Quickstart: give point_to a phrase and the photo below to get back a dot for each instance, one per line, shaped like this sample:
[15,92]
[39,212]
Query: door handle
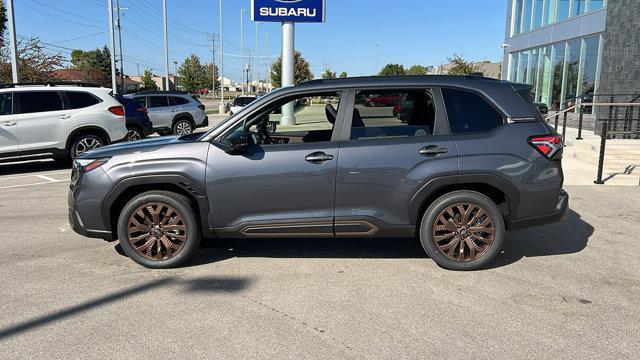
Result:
[432,150]
[9,123]
[318,157]
[64,116]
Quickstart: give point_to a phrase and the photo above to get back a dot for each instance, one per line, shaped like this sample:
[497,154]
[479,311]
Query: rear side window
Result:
[6,103]
[39,101]
[179,101]
[79,99]
[158,101]
[469,112]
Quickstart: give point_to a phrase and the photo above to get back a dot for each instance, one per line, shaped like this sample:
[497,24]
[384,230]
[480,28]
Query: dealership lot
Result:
[566,288]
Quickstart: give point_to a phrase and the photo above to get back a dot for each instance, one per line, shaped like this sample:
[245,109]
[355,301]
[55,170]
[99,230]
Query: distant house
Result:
[75,75]
[488,69]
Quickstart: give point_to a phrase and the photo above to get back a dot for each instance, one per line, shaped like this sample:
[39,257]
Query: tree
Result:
[460,66]
[95,64]
[193,74]
[147,81]
[34,64]
[302,71]
[343,75]
[418,70]
[328,74]
[392,69]
[211,86]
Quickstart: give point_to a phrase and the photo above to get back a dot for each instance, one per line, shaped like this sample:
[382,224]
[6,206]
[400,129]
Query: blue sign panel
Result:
[288,10]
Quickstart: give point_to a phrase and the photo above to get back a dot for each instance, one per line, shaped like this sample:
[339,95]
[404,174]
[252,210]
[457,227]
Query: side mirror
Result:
[271,126]
[239,141]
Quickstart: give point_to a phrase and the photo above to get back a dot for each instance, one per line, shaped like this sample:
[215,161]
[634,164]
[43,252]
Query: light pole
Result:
[221,107]
[257,59]
[288,69]
[175,75]
[242,11]
[112,48]
[12,42]
[166,43]
[267,65]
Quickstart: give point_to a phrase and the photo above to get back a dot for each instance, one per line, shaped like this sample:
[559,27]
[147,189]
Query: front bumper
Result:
[557,215]
[84,199]
[76,225]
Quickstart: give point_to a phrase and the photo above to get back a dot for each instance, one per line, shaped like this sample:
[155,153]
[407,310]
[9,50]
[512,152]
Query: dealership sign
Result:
[288,10]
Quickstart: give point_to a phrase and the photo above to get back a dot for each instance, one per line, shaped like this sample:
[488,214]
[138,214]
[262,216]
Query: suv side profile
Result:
[177,113]
[59,120]
[468,159]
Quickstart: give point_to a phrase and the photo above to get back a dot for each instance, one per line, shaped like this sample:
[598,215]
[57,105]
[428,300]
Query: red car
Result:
[201,92]
[382,100]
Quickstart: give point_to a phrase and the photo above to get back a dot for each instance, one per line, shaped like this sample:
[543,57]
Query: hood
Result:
[144,145]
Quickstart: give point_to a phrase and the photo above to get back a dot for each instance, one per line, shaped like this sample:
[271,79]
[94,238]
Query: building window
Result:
[544,81]
[513,66]
[558,65]
[517,17]
[523,62]
[526,15]
[589,65]
[537,13]
[573,70]
[563,10]
[595,5]
[578,7]
[532,77]
[550,11]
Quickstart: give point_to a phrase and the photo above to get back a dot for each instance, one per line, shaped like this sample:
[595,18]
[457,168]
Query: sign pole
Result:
[112,48]
[221,106]
[288,68]
[166,44]
[13,42]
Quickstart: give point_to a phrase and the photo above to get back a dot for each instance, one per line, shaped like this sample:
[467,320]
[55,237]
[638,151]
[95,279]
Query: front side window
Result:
[158,101]
[469,112]
[80,99]
[6,103]
[39,101]
[392,113]
[313,119]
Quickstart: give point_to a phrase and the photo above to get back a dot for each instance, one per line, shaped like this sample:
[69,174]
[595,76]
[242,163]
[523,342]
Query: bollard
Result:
[564,126]
[557,118]
[580,123]
[603,140]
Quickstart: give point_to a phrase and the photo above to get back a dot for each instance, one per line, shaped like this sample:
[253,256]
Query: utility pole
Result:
[242,11]
[267,66]
[12,42]
[112,43]
[212,38]
[166,44]
[257,60]
[120,45]
[138,66]
[288,68]
[221,107]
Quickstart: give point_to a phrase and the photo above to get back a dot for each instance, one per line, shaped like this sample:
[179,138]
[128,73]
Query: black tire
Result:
[82,143]
[134,133]
[182,127]
[451,260]
[182,206]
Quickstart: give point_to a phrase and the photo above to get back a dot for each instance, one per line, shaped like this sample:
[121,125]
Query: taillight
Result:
[117,110]
[201,107]
[547,145]
[142,110]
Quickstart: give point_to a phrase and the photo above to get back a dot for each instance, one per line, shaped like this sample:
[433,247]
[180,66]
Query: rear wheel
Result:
[158,229]
[84,143]
[134,134]
[462,230]
[182,127]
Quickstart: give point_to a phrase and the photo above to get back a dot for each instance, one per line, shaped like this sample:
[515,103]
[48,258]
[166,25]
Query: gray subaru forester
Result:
[453,161]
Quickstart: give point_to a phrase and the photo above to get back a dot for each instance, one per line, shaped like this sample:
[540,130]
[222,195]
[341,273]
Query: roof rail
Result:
[50,83]
[149,92]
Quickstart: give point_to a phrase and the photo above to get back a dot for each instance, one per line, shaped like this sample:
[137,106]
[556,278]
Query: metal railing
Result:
[613,126]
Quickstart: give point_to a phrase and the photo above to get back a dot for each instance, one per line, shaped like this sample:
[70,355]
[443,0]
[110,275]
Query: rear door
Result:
[386,157]
[160,111]
[43,122]
[8,126]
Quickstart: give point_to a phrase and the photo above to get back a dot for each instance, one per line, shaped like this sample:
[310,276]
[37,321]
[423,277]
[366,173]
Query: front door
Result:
[43,123]
[390,152]
[284,183]
[161,111]
[8,126]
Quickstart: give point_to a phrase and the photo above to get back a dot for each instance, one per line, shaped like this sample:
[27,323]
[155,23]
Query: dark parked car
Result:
[138,124]
[472,159]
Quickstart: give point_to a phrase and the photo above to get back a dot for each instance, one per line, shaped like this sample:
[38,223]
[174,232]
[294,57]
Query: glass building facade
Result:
[543,49]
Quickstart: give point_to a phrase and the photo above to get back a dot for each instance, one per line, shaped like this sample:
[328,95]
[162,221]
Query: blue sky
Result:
[409,32]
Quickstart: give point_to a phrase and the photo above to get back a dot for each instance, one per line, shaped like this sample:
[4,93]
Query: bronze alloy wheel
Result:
[463,232]
[157,231]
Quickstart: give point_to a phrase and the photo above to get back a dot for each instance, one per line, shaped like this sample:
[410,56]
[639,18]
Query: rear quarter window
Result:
[80,99]
[469,112]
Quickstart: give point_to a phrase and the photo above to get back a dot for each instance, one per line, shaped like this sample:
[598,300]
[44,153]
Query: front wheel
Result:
[462,230]
[158,229]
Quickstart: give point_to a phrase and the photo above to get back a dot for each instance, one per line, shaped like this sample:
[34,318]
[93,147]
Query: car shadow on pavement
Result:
[568,236]
[32,166]
[197,285]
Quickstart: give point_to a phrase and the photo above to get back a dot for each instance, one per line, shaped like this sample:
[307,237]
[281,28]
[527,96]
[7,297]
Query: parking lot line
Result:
[52,181]
[29,175]
[44,177]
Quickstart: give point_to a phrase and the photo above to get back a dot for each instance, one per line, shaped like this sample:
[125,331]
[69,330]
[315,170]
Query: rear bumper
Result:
[205,123]
[557,215]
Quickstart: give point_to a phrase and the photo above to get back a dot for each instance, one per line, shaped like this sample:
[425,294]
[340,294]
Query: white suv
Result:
[57,120]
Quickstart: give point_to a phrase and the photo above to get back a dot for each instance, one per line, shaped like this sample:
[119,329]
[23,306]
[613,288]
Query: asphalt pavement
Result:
[565,290]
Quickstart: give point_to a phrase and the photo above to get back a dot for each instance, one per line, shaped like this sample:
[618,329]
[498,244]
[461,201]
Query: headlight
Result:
[86,165]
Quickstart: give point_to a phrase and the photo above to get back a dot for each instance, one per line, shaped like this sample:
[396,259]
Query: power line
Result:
[79,38]
[60,18]
[68,12]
